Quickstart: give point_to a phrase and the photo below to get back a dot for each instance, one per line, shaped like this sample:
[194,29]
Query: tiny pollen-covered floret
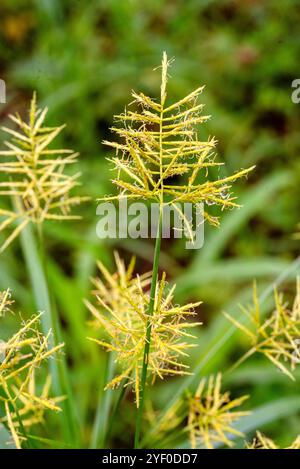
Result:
[33,175]
[157,141]
[262,442]
[121,312]
[277,336]
[211,414]
[20,357]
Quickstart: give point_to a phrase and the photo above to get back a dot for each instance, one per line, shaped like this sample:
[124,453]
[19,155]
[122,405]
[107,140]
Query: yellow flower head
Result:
[122,313]
[262,442]
[20,357]
[278,336]
[211,415]
[34,175]
[159,141]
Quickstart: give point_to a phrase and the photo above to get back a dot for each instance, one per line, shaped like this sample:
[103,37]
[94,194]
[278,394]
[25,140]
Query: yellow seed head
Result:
[20,357]
[121,312]
[211,414]
[157,142]
[33,175]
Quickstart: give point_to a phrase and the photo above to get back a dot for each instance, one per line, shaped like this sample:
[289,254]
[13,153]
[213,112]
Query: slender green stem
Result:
[104,405]
[36,267]
[148,332]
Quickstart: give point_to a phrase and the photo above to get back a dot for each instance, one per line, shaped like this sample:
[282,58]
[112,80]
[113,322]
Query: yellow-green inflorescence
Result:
[21,356]
[277,335]
[260,441]
[33,175]
[211,414]
[120,311]
[157,141]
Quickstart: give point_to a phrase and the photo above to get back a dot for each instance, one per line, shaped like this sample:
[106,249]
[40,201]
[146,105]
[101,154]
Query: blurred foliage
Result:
[83,58]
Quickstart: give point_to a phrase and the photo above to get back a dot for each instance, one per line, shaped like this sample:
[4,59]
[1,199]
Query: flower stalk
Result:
[148,336]
[157,143]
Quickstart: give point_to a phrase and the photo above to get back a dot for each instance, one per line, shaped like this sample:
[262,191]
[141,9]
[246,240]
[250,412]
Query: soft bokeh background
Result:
[83,58]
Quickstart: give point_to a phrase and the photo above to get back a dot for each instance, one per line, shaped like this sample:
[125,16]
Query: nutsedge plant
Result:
[156,142]
[136,319]
[160,141]
[35,186]
[21,356]
[122,312]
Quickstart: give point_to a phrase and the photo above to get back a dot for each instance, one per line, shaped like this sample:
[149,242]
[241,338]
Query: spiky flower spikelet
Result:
[211,414]
[121,313]
[158,142]
[34,175]
[20,357]
[277,336]
[262,442]
[111,287]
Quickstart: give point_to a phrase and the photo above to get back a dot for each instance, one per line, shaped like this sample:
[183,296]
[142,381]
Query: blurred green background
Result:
[83,59]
